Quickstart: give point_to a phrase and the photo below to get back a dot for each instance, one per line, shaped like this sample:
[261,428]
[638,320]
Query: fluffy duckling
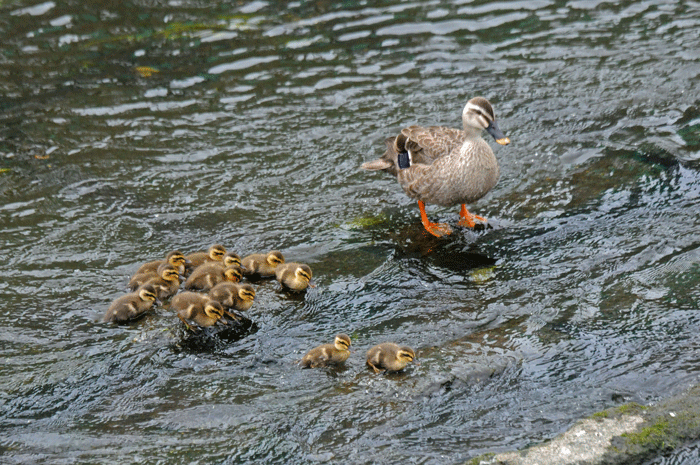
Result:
[231,258]
[233,295]
[175,258]
[204,316]
[295,276]
[163,271]
[167,283]
[328,354]
[206,276]
[132,306]
[389,357]
[263,265]
[214,254]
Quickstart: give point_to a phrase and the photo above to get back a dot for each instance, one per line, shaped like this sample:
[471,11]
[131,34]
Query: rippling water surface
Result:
[130,129]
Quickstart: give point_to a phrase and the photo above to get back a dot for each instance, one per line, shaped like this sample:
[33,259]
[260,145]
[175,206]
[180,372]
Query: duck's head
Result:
[215,311]
[405,354]
[303,273]
[216,252]
[233,273]
[148,293]
[478,114]
[246,293]
[176,259]
[232,258]
[274,258]
[169,273]
[342,342]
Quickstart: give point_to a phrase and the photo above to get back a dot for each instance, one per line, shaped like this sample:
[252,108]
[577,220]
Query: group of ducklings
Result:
[212,283]
[213,288]
[385,357]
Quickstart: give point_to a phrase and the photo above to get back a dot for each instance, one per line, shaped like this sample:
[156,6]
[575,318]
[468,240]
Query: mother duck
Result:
[445,166]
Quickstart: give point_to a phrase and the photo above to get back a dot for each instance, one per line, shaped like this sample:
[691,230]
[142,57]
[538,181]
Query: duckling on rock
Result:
[168,283]
[389,357]
[445,166]
[163,271]
[175,258]
[328,354]
[215,254]
[132,306]
[295,276]
[233,295]
[262,265]
[206,276]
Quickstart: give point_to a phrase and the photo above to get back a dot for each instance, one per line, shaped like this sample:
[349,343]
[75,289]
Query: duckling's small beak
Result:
[497,134]
[158,302]
[187,261]
[312,284]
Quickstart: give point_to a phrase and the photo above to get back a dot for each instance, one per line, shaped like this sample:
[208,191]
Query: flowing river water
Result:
[129,129]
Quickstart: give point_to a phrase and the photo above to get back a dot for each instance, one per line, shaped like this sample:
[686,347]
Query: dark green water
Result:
[132,128]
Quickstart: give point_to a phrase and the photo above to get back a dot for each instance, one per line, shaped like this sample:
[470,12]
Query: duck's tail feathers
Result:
[386,161]
[379,164]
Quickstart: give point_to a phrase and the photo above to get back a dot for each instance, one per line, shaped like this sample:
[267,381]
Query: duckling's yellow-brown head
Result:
[214,310]
[303,272]
[232,258]
[168,272]
[233,273]
[274,258]
[342,342]
[246,293]
[147,293]
[176,258]
[217,252]
[405,354]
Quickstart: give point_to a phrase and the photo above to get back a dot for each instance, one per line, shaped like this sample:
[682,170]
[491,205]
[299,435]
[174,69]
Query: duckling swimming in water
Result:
[132,306]
[203,315]
[328,354]
[175,258]
[163,271]
[233,295]
[389,357]
[206,276]
[215,254]
[262,265]
[295,276]
[167,283]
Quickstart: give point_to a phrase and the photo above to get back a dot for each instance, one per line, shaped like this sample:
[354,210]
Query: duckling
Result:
[204,316]
[389,357]
[231,258]
[175,258]
[163,272]
[206,276]
[445,166]
[262,264]
[168,283]
[328,354]
[132,306]
[233,295]
[295,276]
[214,254]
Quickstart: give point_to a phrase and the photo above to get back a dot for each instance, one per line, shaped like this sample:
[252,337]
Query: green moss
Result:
[481,275]
[690,134]
[367,221]
[656,435]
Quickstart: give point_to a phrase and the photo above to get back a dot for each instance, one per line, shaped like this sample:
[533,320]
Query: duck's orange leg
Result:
[436,229]
[467,219]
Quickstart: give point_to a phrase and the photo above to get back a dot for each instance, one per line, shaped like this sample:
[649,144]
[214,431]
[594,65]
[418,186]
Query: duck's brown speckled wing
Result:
[428,144]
